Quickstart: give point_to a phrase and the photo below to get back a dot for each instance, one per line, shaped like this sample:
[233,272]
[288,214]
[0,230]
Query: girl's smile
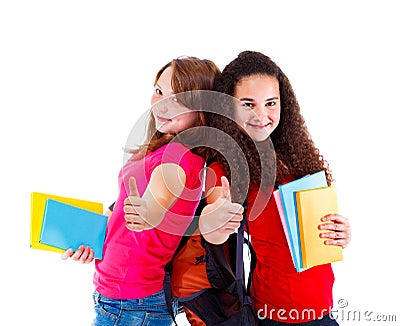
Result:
[259,112]
[170,115]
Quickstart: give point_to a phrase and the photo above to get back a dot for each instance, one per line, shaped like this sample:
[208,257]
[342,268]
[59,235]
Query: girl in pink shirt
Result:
[159,189]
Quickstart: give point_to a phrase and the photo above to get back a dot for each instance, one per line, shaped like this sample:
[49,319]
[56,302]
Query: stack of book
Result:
[301,205]
[59,223]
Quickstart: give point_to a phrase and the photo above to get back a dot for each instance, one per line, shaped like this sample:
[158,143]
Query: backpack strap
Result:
[239,257]
[168,295]
[168,268]
[253,259]
[242,289]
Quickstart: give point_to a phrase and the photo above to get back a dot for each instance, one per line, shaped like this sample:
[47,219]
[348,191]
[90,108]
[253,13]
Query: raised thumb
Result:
[133,190]
[226,189]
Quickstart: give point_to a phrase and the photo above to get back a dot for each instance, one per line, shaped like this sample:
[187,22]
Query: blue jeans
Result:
[151,310]
[325,321]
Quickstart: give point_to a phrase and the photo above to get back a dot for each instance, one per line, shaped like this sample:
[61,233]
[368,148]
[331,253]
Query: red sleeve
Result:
[213,175]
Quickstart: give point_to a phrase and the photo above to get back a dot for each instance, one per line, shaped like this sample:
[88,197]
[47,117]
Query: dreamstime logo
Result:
[341,314]
[292,314]
[344,312]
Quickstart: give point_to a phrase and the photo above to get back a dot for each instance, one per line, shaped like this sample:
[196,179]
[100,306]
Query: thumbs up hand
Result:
[222,217]
[135,209]
[226,188]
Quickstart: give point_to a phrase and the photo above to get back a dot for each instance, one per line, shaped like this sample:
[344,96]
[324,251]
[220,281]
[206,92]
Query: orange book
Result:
[312,205]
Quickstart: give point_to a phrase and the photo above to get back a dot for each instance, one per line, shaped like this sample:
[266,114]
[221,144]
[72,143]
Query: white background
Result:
[75,76]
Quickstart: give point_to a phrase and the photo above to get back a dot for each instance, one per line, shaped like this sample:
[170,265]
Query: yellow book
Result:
[312,205]
[38,203]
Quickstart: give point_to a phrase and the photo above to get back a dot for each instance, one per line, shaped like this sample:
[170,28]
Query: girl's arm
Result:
[166,184]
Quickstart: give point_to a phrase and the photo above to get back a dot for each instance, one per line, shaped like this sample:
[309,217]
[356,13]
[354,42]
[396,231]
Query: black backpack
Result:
[227,302]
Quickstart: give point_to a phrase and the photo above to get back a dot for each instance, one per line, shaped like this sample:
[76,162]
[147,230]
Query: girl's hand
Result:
[222,217]
[338,230]
[84,255]
[135,209]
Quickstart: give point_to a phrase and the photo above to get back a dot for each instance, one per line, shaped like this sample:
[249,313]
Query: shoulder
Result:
[176,153]
[173,149]
[217,168]
[214,173]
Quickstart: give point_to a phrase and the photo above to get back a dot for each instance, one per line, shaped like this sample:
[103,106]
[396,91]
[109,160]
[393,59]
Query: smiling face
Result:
[170,116]
[260,107]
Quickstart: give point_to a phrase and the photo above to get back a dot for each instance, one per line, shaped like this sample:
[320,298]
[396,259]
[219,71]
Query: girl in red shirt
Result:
[269,110]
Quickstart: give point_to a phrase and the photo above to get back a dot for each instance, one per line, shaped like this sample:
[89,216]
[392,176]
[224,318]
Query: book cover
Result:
[288,196]
[312,205]
[66,226]
[278,202]
[38,203]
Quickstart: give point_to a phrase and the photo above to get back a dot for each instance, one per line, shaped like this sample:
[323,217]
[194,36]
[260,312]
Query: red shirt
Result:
[279,292]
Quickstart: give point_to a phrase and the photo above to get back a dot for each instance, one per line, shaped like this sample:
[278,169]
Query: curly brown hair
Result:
[296,154]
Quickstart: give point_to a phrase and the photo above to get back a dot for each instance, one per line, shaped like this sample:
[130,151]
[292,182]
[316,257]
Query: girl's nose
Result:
[163,107]
[160,106]
[261,113]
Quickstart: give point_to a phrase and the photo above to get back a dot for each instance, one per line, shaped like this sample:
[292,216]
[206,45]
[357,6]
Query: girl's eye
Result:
[158,91]
[247,105]
[271,105]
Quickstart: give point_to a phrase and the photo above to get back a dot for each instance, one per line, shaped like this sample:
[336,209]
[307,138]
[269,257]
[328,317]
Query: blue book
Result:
[288,196]
[65,226]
